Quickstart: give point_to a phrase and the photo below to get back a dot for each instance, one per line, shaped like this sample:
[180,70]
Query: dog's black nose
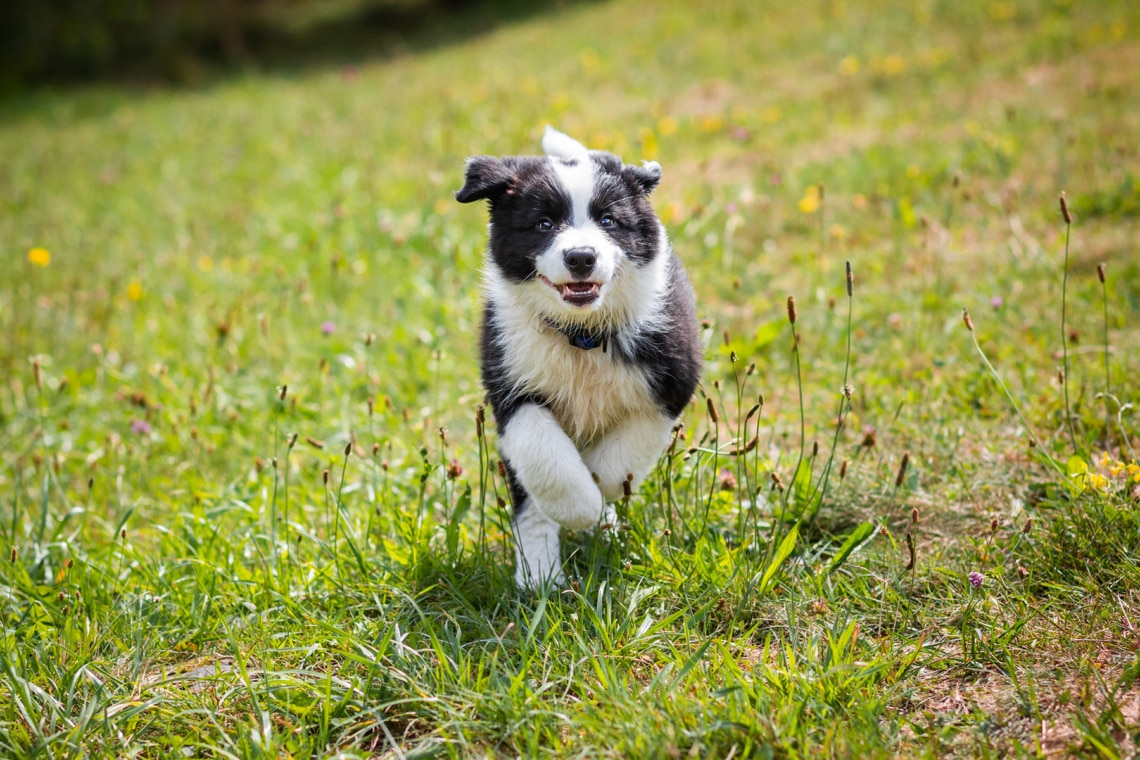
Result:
[580,261]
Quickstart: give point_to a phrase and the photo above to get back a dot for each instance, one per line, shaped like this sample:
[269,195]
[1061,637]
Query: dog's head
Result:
[573,227]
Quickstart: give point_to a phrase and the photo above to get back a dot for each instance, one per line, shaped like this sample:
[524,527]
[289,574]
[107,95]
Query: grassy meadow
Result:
[248,507]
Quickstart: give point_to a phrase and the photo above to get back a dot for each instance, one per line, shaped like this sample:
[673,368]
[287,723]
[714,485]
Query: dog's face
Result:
[570,229]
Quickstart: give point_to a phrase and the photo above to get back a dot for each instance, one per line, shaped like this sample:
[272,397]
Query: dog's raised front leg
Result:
[632,447]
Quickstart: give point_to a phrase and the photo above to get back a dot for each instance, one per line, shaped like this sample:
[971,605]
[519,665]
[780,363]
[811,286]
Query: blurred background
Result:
[182,41]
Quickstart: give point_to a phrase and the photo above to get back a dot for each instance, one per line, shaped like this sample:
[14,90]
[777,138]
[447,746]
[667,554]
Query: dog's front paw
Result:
[608,524]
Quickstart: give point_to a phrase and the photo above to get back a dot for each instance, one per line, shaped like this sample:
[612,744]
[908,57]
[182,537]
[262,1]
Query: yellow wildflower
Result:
[648,144]
[809,204]
[849,66]
[1003,11]
[710,123]
[39,256]
[135,291]
[893,64]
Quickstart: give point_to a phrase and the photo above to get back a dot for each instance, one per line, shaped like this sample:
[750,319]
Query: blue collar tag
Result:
[583,339]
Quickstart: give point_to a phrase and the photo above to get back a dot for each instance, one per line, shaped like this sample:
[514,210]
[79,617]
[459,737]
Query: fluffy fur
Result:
[590,349]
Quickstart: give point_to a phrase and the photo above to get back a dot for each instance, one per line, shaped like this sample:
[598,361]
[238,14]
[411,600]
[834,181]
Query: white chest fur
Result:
[589,391]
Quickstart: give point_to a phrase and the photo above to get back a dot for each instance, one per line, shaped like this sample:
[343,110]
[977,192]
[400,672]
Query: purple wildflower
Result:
[140,427]
[976,579]
[328,328]
[996,302]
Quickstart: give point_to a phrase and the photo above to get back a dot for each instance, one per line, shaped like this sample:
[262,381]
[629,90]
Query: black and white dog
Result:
[590,348]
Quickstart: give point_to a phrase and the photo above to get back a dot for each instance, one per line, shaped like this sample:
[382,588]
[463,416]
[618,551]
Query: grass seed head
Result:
[1100,275]
[283,393]
[713,415]
[902,469]
[1028,526]
[347,448]
[792,309]
[843,470]
[966,319]
[325,477]
[1068,217]
[850,281]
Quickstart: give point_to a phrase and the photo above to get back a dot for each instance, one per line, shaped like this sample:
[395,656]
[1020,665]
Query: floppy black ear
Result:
[647,176]
[487,177]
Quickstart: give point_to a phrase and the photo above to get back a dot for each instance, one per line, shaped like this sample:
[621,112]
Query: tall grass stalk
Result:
[714,481]
[792,315]
[1101,275]
[844,397]
[276,477]
[1064,332]
[1009,397]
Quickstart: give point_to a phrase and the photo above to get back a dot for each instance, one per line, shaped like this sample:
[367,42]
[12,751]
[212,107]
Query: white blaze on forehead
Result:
[576,176]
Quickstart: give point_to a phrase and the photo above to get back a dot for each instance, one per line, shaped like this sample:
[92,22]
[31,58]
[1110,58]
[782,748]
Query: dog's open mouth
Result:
[576,293]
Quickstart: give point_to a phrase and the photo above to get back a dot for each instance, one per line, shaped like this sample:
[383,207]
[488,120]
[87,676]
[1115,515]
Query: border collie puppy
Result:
[590,348]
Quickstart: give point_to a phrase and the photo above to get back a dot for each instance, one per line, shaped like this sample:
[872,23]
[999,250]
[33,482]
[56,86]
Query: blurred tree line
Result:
[69,40]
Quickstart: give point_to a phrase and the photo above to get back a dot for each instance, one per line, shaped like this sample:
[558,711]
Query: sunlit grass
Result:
[248,506]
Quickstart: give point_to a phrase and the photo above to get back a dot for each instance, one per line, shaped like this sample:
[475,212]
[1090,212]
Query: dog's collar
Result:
[583,337]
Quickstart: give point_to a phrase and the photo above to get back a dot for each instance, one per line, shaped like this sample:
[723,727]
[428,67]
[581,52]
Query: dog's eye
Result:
[607,221]
[544,225]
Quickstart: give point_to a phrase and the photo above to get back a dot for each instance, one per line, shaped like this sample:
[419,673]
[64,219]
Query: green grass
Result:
[179,579]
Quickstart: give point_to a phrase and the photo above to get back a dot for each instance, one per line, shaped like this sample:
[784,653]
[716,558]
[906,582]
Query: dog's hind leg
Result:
[538,560]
